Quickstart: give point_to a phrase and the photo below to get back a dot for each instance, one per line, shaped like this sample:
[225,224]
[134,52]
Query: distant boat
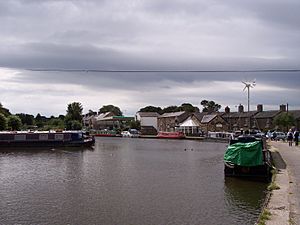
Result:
[46,139]
[106,133]
[247,157]
[171,135]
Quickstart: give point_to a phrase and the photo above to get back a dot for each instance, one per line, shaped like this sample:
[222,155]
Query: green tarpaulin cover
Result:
[245,154]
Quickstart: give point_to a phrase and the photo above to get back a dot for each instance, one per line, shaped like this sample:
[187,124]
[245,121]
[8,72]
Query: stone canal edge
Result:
[282,203]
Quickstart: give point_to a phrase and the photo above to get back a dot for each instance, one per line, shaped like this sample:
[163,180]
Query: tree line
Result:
[208,106]
[72,120]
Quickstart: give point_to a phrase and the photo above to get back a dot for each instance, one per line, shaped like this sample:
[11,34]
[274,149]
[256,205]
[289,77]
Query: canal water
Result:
[125,182]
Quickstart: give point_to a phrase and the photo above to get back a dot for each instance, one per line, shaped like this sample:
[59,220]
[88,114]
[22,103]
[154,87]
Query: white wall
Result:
[149,121]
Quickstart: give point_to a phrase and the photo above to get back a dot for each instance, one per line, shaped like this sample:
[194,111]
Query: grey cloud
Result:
[140,80]
[132,37]
[277,13]
[176,7]
[141,89]
[154,35]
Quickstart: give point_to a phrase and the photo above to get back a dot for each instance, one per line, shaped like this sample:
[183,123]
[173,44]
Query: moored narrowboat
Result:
[248,157]
[171,135]
[46,139]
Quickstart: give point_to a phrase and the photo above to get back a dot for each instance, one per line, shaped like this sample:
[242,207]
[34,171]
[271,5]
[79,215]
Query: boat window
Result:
[20,137]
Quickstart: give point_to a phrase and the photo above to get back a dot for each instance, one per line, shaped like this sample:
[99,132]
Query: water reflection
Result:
[125,181]
[244,197]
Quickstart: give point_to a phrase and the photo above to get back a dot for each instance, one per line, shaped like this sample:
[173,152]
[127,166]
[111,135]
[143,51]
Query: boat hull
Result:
[25,144]
[45,139]
[170,135]
[249,170]
[262,173]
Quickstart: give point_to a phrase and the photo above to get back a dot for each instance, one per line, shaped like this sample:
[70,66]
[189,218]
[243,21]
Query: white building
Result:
[148,121]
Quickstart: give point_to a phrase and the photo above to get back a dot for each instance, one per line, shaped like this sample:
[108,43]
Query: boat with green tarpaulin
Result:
[248,157]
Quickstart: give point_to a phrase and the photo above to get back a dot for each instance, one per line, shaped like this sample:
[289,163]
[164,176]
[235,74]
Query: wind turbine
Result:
[249,85]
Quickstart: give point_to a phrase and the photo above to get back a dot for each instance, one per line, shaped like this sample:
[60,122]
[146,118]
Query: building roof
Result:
[199,115]
[88,117]
[239,114]
[295,113]
[173,114]
[273,113]
[116,118]
[148,114]
[267,114]
[102,116]
[189,122]
[208,118]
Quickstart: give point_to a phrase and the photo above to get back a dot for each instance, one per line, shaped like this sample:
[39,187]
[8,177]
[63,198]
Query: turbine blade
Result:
[244,88]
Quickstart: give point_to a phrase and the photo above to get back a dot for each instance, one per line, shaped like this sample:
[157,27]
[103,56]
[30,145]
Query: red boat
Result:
[171,135]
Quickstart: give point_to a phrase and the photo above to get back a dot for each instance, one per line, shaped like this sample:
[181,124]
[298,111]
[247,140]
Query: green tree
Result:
[74,116]
[4,111]
[187,107]
[135,124]
[111,108]
[170,109]
[210,106]
[55,123]
[284,121]
[14,122]
[74,111]
[40,121]
[26,118]
[73,125]
[3,122]
[151,109]
[91,113]
[61,117]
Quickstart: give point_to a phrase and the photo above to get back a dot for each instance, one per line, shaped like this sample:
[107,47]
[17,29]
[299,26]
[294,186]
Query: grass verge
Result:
[273,186]
[266,215]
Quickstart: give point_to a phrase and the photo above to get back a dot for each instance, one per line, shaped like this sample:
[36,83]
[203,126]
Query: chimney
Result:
[227,109]
[241,108]
[282,108]
[259,108]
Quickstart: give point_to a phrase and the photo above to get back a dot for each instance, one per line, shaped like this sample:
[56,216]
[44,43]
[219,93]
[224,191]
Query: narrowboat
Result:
[46,139]
[248,157]
[171,135]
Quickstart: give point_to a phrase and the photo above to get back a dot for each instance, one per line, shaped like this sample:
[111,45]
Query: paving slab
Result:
[284,203]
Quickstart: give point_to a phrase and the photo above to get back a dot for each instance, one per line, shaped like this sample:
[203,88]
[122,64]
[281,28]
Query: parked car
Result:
[257,133]
[132,133]
[277,135]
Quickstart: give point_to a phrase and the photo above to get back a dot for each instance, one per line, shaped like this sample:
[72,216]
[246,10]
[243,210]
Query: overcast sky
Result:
[147,35]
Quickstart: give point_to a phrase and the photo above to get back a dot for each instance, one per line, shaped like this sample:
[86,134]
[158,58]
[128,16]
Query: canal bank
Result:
[284,203]
[196,138]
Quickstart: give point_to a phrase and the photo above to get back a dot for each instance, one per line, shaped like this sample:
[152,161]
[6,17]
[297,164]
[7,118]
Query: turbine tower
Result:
[249,85]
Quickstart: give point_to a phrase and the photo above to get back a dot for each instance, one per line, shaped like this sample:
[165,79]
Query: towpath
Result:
[285,202]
